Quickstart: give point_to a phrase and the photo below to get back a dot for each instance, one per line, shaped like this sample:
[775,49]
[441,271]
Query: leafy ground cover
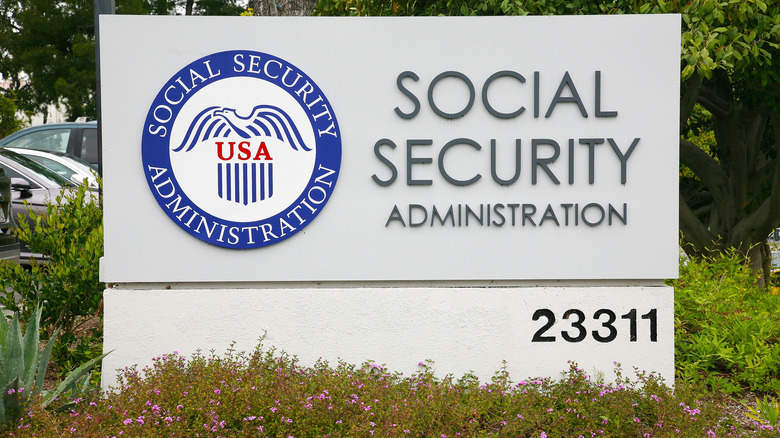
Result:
[727,330]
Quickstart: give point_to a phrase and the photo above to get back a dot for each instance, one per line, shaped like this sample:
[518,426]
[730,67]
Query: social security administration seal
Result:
[241,149]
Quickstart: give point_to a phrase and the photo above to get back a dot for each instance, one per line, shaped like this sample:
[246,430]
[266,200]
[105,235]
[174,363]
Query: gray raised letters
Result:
[454,74]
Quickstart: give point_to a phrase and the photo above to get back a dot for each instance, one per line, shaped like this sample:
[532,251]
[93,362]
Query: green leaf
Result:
[3,417]
[687,71]
[4,326]
[72,379]
[44,362]
[13,403]
[13,357]
[30,345]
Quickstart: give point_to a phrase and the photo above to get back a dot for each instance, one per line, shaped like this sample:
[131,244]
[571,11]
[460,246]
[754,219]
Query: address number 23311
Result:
[603,325]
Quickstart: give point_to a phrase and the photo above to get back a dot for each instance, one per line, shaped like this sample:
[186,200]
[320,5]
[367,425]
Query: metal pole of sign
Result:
[101,7]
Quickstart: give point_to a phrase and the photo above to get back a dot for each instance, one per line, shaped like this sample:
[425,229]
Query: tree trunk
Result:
[761,261]
[289,8]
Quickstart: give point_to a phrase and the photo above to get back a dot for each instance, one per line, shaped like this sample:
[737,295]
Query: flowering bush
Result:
[268,394]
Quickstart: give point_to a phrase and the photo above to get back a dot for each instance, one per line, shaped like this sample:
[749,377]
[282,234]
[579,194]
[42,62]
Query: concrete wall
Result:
[461,329]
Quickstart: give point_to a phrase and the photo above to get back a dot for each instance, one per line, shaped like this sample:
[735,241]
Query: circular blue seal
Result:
[241,149]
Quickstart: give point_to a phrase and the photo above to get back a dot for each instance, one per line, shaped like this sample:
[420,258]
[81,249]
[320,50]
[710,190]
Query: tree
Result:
[732,200]
[180,7]
[48,47]
[290,8]
[730,95]
[10,121]
[215,7]
[47,51]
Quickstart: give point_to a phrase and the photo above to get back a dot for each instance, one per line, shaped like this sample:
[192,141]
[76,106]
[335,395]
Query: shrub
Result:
[727,330]
[10,121]
[70,233]
[265,394]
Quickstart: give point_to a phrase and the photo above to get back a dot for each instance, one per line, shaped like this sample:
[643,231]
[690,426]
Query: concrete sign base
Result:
[461,329]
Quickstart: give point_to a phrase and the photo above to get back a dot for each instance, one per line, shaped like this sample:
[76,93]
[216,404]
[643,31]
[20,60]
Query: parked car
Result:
[33,183]
[78,139]
[9,243]
[70,167]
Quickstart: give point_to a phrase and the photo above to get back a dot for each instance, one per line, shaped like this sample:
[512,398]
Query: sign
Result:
[390,188]
[423,149]
[241,149]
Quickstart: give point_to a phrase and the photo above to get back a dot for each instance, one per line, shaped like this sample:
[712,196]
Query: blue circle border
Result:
[155,151]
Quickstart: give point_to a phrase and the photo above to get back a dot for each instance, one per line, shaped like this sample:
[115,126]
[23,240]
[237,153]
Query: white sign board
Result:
[342,149]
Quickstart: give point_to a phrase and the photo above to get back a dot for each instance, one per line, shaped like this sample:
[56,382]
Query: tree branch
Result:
[694,231]
[704,166]
[715,103]
[773,212]
[765,218]
[774,117]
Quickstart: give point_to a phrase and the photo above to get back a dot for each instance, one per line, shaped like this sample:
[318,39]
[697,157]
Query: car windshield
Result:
[61,169]
[43,139]
[53,177]
[78,163]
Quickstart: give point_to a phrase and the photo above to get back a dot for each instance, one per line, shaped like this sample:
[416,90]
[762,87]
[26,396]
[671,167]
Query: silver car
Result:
[33,186]
[70,167]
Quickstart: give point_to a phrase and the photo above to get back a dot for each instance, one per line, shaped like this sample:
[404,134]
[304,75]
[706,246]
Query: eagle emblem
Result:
[240,178]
